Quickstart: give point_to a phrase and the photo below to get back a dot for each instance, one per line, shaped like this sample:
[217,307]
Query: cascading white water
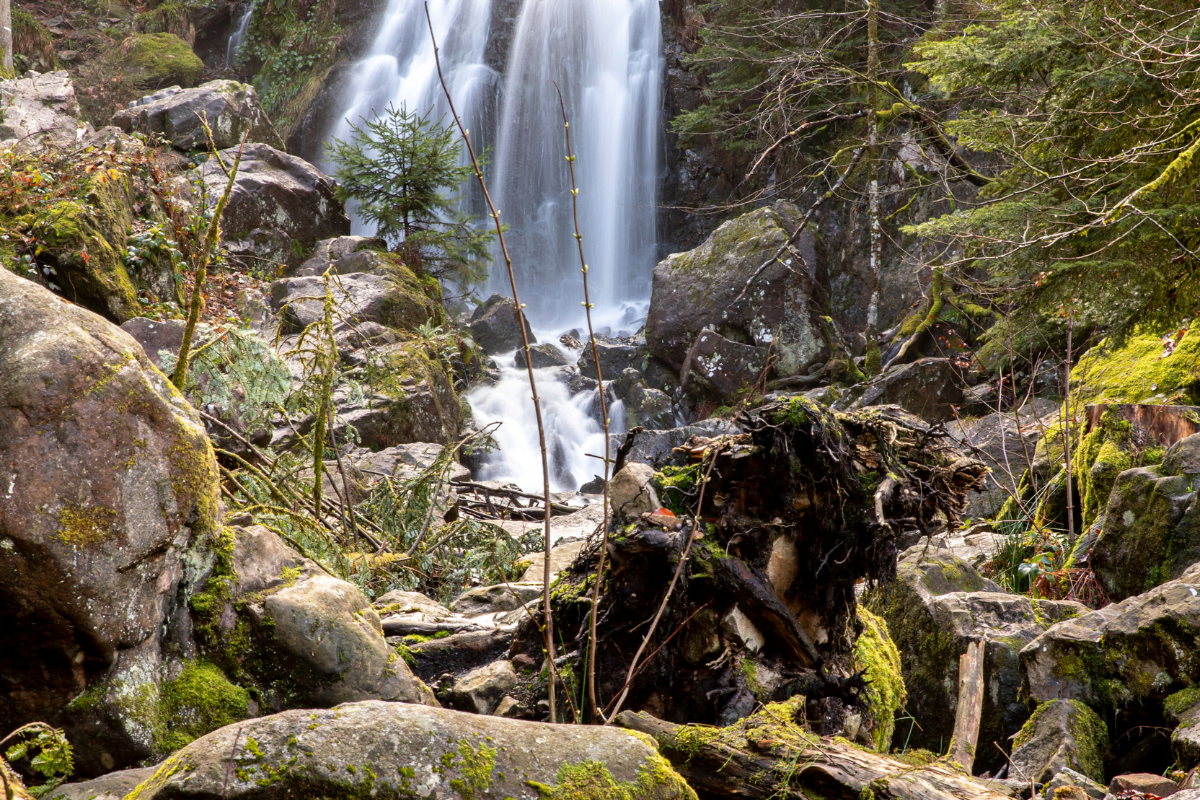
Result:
[606,57]
[240,25]
[574,438]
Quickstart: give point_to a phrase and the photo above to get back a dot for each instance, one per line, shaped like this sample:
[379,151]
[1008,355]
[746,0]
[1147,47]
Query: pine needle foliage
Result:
[403,170]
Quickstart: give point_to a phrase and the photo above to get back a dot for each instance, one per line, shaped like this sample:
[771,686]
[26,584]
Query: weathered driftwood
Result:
[770,755]
[403,626]
[970,706]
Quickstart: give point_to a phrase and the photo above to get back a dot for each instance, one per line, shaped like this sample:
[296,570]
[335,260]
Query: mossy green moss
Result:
[200,700]
[85,526]
[1087,730]
[591,780]
[1181,702]
[876,653]
[156,60]
[475,770]
[32,42]
[1140,371]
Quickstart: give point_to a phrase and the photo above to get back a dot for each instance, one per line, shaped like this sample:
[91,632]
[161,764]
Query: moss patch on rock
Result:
[1140,371]
[200,700]
[876,653]
[157,60]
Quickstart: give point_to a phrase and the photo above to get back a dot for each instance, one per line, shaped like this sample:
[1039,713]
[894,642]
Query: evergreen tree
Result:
[404,171]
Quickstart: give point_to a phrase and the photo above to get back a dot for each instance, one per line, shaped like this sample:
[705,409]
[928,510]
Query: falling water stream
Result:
[606,58]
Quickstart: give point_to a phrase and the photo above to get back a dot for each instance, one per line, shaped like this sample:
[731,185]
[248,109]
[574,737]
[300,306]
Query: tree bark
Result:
[6,37]
[773,758]
[970,706]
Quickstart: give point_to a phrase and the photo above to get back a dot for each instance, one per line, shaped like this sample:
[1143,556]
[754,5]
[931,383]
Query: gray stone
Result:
[398,601]
[400,750]
[655,446]
[1061,734]
[631,494]
[928,387]
[1183,710]
[232,110]
[1069,777]
[1078,659]
[156,336]
[1144,782]
[480,689]
[707,288]
[561,557]
[495,326]
[113,786]
[109,501]
[649,408]
[616,356]
[359,297]
[41,108]
[542,355]
[280,204]
[1183,457]
[719,369]
[344,255]
[496,599]
[1150,531]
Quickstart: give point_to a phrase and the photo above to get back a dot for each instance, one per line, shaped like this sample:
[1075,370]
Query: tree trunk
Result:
[873,359]
[6,37]
[770,756]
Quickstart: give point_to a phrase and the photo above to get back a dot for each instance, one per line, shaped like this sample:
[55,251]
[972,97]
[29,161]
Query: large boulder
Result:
[496,325]
[155,60]
[109,507]
[280,205]
[41,107]
[302,638]
[711,287]
[1131,654]
[1006,442]
[396,300]
[390,750]
[232,110]
[1151,526]
[937,606]
[344,255]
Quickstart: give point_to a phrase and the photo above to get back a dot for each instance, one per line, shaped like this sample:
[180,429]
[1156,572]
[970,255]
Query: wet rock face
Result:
[931,388]
[359,297]
[109,497]
[277,200]
[392,750]
[703,288]
[231,108]
[1151,525]
[718,368]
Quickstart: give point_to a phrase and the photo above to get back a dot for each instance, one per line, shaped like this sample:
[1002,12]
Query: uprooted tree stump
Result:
[772,755]
[801,505]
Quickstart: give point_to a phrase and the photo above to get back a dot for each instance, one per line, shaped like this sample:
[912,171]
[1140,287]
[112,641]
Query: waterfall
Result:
[241,25]
[606,57]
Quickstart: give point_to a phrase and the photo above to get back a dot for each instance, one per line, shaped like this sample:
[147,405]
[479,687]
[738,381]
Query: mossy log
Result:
[770,755]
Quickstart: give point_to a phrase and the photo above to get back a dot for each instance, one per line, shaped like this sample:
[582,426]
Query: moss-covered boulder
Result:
[1183,711]
[1150,531]
[301,638]
[1060,735]
[108,514]
[391,751]
[1138,651]
[154,60]
[712,287]
[394,297]
[1142,370]
[937,606]
[875,653]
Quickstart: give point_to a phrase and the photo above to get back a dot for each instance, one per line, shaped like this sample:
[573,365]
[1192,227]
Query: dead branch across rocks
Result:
[771,755]
[800,507]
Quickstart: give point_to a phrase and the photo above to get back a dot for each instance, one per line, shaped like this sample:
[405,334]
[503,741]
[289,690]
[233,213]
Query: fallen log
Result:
[771,755]
[970,706]
[402,626]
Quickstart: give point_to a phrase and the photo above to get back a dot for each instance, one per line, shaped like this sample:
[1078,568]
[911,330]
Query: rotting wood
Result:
[970,706]
[770,755]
